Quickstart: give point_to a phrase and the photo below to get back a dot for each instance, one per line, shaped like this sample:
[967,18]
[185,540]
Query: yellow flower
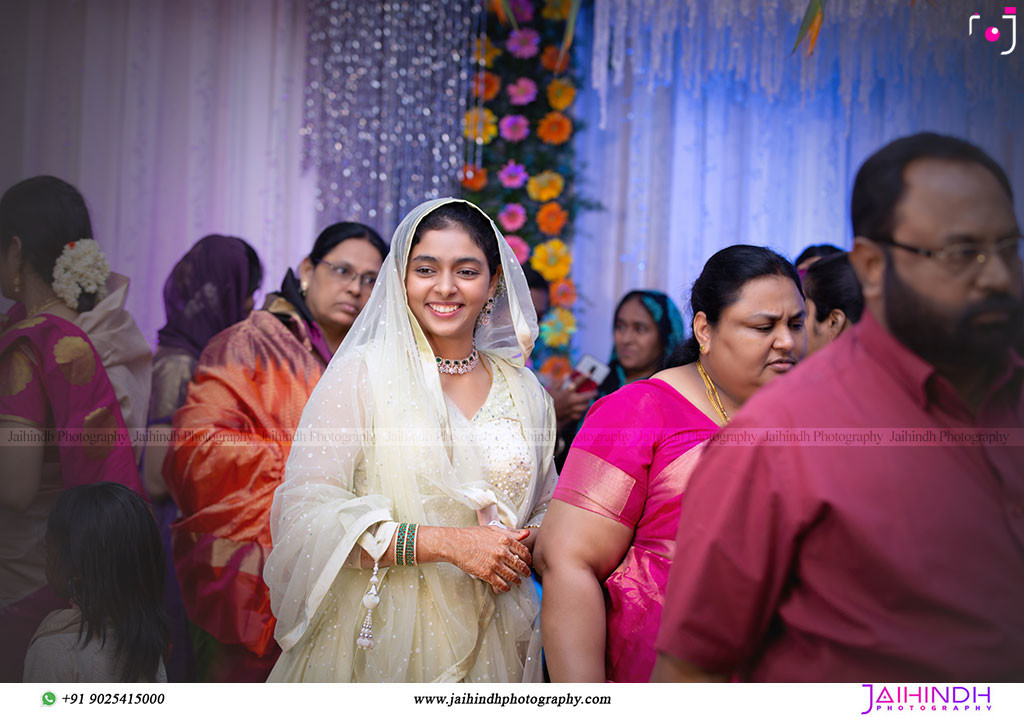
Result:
[558,328]
[480,126]
[545,186]
[556,9]
[552,260]
[487,53]
[561,94]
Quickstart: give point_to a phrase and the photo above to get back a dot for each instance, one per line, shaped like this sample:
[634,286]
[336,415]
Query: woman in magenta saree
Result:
[609,537]
[53,388]
[635,475]
[61,418]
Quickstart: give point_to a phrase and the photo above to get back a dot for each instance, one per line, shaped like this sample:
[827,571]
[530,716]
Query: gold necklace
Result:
[44,305]
[709,387]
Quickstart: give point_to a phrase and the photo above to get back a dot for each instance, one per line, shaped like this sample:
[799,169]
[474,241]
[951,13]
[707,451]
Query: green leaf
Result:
[507,9]
[813,8]
[570,30]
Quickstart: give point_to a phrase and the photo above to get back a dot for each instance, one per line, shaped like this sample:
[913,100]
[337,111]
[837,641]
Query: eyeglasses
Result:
[964,256]
[346,274]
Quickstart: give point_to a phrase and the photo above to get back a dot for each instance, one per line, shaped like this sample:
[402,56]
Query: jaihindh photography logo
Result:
[927,698]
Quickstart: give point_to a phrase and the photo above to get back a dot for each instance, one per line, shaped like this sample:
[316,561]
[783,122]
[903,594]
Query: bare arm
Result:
[22,463]
[671,669]
[577,550]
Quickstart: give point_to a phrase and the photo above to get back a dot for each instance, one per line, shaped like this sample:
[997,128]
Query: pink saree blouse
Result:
[630,463]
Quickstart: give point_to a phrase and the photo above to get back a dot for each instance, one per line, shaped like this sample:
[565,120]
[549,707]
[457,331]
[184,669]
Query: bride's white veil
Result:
[375,446]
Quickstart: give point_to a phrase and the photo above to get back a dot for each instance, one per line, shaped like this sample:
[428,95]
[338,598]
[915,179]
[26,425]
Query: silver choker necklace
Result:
[458,366]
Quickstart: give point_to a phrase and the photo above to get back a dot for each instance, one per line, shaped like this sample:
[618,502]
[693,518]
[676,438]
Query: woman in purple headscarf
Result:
[209,289]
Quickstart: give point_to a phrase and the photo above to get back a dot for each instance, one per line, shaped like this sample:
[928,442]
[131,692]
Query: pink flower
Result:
[522,9]
[522,92]
[519,246]
[514,128]
[523,43]
[512,217]
[512,175]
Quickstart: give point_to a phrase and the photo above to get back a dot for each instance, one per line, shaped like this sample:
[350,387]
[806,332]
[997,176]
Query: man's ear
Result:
[868,261]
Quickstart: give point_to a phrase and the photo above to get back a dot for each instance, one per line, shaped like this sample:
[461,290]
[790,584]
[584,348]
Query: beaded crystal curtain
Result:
[386,89]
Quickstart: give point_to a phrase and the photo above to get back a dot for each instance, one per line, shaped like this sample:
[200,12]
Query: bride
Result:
[420,474]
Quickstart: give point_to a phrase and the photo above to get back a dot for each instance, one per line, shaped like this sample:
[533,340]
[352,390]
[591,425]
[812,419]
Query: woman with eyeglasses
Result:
[232,438]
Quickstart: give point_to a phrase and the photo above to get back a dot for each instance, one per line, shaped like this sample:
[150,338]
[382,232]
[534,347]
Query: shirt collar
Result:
[909,369]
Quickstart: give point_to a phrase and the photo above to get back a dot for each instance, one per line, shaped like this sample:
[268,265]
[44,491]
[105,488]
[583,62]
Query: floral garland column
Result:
[520,162]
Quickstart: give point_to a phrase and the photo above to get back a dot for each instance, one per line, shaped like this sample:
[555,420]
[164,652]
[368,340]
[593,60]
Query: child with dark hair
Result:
[104,554]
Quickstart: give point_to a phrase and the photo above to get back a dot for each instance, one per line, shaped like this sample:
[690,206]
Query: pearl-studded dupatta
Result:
[375,446]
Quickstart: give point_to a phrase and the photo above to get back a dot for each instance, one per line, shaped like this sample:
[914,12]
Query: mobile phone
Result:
[595,371]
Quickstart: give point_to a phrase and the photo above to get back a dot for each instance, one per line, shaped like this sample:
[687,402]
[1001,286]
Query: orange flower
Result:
[473,178]
[556,369]
[555,128]
[551,218]
[561,93]
[486,53]
[549,58]
[489,85]
[563,293]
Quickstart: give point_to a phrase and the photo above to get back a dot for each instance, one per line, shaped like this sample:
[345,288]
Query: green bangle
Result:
[400,544]
[411,544]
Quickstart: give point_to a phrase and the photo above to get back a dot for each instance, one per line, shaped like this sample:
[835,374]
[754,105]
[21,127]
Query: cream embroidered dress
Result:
[379,443]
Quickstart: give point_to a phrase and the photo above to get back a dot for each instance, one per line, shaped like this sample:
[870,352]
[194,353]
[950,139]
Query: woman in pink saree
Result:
[62,417]
[609,536]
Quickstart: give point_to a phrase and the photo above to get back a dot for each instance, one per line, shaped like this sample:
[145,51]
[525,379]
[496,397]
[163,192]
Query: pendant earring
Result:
[17,285]
[304,288]
[484,317]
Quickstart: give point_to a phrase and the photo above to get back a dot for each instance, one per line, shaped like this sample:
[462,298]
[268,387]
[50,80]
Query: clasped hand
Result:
[495,555]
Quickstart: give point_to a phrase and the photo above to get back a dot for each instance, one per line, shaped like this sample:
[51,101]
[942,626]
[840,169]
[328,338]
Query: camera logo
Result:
[994,34]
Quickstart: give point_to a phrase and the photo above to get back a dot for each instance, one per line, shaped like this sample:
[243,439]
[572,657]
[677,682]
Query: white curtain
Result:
[175,119]
[689,168]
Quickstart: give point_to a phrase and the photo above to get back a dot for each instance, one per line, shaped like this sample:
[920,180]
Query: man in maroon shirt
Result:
[862,519]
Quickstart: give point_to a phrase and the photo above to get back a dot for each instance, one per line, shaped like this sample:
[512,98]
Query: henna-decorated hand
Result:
[495,555]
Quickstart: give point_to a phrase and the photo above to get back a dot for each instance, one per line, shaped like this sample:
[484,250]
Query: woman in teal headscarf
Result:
[647,328]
